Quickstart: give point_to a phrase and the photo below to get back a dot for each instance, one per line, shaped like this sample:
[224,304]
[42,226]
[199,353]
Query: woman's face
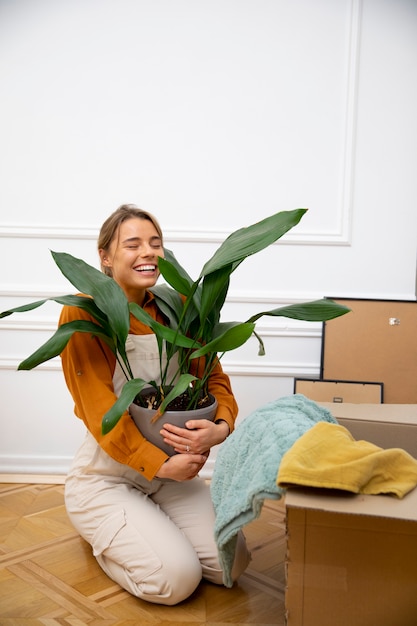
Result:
[133,257]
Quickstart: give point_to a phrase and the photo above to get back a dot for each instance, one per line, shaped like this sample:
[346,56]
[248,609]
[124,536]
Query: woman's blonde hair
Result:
[110,228]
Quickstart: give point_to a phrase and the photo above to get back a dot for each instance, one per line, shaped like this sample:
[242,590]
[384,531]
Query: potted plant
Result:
[195,333]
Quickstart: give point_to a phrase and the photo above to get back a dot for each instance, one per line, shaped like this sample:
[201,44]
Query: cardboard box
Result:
[377,341]
[385,425]
[352,559]
[339,390]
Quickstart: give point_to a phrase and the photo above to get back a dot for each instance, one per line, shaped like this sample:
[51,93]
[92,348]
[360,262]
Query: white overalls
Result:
[154,538]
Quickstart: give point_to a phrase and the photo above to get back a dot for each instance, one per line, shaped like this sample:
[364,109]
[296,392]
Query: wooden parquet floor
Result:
[48,576]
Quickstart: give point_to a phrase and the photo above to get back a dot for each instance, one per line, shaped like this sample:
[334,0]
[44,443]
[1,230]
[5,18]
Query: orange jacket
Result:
[89,365]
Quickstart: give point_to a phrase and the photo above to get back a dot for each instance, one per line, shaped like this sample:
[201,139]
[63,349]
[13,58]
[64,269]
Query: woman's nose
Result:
[146,250]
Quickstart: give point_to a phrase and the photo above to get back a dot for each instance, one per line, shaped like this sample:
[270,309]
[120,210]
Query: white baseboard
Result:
[36,479]
[34,465]
[41,470]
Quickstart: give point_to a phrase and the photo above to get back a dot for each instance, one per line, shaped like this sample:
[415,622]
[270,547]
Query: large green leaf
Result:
[107,294]
[179,279]
[88,304]
[250,240]
[230,335]
[82,302]
[174,274]
[23,308]
[213,293]
[171,258]
[170,335]
[169,302]
[189,322]
[129,392]
[59,340]
[316,311]
[182,384]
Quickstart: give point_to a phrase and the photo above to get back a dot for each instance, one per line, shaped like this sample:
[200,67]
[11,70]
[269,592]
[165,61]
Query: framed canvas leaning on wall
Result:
[376,341]
[340,390]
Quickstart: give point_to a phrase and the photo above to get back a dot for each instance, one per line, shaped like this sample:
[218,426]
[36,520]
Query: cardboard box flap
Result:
[385,425]
[395,413]
[385,506]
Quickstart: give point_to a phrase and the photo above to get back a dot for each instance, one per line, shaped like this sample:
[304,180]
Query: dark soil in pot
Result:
[176,414]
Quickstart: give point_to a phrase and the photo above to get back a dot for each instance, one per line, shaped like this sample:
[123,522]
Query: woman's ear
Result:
[104,259]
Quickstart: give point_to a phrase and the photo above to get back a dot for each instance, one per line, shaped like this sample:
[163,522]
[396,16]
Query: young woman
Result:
[148,516]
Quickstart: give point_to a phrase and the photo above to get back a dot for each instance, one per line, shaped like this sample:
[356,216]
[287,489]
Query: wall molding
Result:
[272,369]
[48,325]
[253,368]
[43,231]
[339,236]
[259,299]
[182,236]
[276,329]
[12,363]
[268,298]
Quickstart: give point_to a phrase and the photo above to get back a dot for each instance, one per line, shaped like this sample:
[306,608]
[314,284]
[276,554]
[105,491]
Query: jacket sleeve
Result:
[88,365]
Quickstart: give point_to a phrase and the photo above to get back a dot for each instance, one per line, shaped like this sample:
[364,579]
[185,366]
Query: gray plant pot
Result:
[143,420]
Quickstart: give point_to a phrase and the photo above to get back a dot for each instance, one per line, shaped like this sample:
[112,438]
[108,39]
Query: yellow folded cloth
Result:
[328,456]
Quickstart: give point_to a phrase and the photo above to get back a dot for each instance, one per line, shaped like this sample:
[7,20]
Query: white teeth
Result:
[145,268]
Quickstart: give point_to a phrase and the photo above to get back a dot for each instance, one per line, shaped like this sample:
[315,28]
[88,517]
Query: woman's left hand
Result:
[198,436]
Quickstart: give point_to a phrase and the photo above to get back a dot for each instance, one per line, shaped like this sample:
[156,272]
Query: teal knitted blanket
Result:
[247,464]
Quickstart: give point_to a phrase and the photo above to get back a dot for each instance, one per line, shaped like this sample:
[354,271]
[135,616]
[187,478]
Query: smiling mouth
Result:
[145,268]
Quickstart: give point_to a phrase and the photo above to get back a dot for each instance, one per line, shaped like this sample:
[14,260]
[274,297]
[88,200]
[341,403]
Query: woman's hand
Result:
[198,436]
[182,467]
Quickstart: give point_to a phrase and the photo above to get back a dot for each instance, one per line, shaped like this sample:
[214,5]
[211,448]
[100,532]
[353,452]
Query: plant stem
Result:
[123,366]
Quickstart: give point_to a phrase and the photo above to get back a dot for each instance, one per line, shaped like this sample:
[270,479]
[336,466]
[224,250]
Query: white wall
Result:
[211,114]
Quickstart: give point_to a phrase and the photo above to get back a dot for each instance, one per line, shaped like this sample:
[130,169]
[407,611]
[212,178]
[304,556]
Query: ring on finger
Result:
[187,448]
